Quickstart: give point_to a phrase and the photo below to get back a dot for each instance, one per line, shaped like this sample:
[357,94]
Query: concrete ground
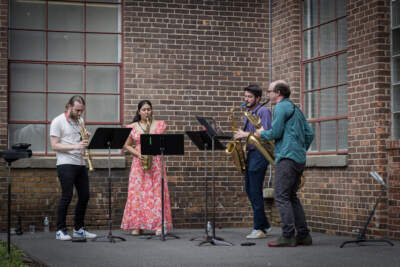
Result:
[137,251]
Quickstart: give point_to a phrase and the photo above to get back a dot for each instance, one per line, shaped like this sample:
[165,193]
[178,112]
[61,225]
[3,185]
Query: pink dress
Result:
[143,206]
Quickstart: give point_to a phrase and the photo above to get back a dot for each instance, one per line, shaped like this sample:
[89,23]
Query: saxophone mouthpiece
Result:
[244,104]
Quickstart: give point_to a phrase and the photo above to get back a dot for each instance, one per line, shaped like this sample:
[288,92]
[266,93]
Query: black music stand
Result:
[18,151]
[361,237]
[214,133]
[109,138]
[162,144]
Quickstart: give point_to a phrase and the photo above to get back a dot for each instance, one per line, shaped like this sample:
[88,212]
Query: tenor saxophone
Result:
[147,159]
[86,152]
[235,149]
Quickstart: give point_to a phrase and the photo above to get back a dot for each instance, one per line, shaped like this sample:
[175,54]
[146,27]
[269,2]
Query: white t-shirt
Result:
[69,133]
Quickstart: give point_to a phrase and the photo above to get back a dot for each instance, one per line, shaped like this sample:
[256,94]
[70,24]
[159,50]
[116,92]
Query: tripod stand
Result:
[18,151]
[361,237]
[162,144]
[203,141]
[109,138]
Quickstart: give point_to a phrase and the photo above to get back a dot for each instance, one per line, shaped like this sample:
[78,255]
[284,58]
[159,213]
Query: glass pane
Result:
[310,44]
[27,45]
[328,102]
[65,46]
[28,14]
[342,34]
[328,72]
[311,105]
[327,39]
[395,13]
[27,77]
[310,13]
[396,70]
[56,104]
[102,79]
[396,98]
[311,75]
[342,68]
[92,130]
[342,100]
[103,18]
[396,126]
[65,16]
[340,8]
[328,135]
[65,78]
[314,144]
[27,107]
[342,134]
[34,134]
[396,42]
[109,111]
[327,10]
[104,48]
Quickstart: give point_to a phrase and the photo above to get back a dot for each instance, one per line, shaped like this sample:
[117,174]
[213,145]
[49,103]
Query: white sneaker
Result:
[63,235]
[256,234]
[266,231]
[82,233]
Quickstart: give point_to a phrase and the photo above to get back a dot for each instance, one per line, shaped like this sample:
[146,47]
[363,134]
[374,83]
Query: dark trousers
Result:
[70,176]
[254,182]
[286,183]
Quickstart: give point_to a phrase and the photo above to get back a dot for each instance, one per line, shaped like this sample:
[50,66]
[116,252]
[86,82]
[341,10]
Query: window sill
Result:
[327,161]
[50,162]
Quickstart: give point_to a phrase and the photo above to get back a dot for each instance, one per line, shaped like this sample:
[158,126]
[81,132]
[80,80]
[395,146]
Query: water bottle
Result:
[46,226]
[209,228]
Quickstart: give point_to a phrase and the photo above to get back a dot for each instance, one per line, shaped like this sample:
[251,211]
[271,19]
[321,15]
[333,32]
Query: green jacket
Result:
[292,133]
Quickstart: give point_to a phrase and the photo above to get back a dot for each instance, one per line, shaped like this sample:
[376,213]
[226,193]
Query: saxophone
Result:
[147,161]
[86,152]
[235,148]
[267,151]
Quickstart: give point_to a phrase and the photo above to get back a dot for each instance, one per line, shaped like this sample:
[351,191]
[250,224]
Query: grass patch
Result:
[16,256]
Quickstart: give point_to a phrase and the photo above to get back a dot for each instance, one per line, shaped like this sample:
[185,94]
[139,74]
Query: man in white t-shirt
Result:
[66,140]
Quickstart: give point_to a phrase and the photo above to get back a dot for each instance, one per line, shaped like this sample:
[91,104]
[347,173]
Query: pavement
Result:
[139,251]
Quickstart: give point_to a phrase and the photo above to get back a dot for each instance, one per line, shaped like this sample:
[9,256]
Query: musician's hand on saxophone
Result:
[258,131]
[239,134]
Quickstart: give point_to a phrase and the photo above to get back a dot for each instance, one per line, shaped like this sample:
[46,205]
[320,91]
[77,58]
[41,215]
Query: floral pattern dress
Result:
[143,206]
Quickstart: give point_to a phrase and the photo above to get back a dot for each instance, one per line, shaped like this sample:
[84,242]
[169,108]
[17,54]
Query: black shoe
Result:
[304,240]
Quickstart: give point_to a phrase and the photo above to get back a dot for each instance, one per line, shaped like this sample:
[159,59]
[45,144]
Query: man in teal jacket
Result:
[293,136]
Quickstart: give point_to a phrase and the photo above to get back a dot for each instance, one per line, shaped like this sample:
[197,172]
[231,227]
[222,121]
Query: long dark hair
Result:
[139,106]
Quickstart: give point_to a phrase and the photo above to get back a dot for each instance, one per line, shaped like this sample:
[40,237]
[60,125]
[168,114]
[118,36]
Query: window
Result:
[58,49]
[324,81]
[395,52]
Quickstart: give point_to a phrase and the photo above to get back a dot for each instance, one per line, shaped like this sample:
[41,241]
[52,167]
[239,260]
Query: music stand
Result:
[215,134]
[109,138]
[361,237]
[18,151]
[162,144]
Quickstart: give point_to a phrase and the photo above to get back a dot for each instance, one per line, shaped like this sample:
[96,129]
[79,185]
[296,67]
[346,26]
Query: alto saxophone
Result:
[147,159]
[86,152]
[268,152]
[235,149]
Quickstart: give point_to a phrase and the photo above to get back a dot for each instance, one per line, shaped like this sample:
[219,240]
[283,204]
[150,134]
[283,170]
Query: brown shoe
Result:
[137,232]
[283,242]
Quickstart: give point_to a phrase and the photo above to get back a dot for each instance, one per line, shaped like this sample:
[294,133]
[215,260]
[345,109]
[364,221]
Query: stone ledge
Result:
[50,162]
[327,161]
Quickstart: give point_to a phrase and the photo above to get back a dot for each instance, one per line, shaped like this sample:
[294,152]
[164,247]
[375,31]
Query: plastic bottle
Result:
[209,228]
[46,226]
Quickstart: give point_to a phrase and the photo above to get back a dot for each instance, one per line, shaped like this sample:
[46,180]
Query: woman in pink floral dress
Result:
[143,206]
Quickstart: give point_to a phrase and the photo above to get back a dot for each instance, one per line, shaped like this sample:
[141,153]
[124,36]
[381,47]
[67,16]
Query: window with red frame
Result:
[58,49]
[324,70]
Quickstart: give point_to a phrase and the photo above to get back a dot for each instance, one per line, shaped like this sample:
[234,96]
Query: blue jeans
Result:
[254,182]
[286,183]
[70,176]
